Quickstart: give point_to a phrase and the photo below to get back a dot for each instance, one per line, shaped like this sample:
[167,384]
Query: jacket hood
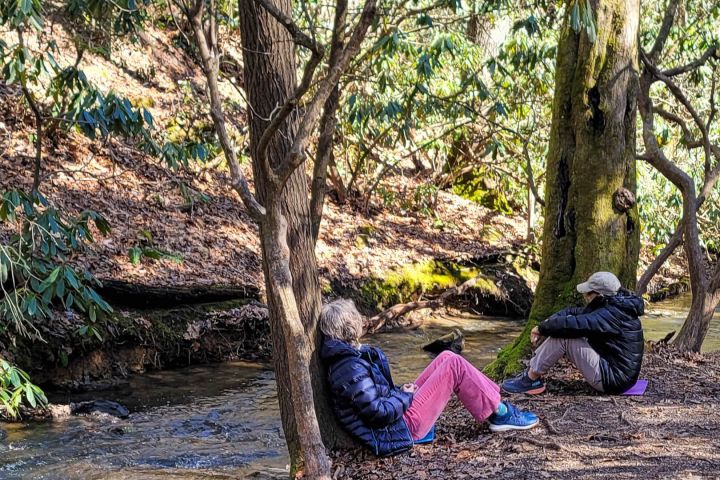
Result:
[629,303]
[334,349]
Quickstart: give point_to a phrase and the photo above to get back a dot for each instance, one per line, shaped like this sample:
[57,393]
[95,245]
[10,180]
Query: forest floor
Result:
[194,216]
[669,432]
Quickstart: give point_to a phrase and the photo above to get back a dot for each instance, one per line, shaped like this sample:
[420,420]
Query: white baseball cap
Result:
[604,283]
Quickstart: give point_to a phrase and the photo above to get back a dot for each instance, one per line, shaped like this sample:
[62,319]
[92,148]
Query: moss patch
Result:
[476,187]
[413,280]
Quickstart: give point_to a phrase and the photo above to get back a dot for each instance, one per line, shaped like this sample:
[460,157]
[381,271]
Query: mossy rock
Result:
[672,290]
[413,280]
[498,291]
[477,187]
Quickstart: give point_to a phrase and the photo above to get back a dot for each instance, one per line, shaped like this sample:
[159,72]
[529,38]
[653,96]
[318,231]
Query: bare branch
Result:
[38,123]
[711,180]
[312,111]
[667,24]
[687,136]
[327,126]
[298,36]
[686,185]
[530,176]
[665,253]
[710,52]
[285,111]
[206,41]
[680,96]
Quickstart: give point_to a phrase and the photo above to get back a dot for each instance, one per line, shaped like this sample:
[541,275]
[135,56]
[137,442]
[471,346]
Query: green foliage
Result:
[474,75]
[63,94]
[16,390]
[35,266]
[116,17]
[145,248]
[581,18]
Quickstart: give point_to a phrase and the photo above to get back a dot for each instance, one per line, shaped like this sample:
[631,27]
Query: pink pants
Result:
[446,374]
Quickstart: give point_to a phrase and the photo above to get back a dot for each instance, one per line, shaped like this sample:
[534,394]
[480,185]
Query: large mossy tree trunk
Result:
[270,77]
[591,222]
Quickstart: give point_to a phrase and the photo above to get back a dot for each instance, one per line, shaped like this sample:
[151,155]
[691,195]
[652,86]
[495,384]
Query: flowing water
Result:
[222,421]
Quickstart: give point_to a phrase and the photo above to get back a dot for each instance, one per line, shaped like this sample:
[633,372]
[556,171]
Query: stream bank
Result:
[152,329]
[133,341]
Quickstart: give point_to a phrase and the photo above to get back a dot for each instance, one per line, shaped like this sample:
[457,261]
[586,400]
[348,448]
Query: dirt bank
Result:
[133,341]
[670,432]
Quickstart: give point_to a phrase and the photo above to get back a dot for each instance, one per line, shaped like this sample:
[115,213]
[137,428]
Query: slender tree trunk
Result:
[590,167]
[270,77]
[298,346]
[530,216]
[692,334]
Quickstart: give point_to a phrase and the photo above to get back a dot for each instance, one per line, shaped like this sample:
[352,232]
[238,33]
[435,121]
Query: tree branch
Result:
[298,36]
[686,185]
[680,96]
[296,153]
[327,127]
[530,176]
[659,261]
[669,116]
[667,24]
[37,166]
[710,52]
[317,53]
[207,46]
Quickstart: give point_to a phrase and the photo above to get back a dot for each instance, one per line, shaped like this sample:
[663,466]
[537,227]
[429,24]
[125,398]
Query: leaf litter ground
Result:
[670,432]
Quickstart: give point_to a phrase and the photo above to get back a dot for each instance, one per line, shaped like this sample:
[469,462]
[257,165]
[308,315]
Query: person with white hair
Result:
[386,418]
[604,339]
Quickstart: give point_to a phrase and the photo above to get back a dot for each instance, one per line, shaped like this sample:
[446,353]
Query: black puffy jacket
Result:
[365,400]
[612,328]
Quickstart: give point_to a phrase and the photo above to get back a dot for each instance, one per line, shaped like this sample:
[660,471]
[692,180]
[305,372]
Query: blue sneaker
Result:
[523,384]
[514,419]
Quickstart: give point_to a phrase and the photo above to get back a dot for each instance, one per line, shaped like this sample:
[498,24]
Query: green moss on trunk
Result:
[591,155]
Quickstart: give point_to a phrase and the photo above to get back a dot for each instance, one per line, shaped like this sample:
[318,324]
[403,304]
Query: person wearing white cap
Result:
[604,339]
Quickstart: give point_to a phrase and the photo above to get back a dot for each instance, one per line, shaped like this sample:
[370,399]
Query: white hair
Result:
[341,320]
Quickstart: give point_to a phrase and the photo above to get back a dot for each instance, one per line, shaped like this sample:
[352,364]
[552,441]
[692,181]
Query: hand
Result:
[409,388]
[535,337]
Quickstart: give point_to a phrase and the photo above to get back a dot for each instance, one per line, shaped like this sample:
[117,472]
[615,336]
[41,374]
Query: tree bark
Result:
[296,386]
[270,76]
[591,156]
[702,309]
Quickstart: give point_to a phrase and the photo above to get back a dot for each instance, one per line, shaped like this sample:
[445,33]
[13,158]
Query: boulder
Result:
[99,406]
[453,341]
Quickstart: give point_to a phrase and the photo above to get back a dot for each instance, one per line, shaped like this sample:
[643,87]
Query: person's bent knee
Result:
[446,354]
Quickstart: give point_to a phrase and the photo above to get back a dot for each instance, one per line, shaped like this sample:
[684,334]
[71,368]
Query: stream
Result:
[222,421]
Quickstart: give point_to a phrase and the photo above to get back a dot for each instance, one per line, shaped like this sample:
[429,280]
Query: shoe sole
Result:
[505,428]
[535,391]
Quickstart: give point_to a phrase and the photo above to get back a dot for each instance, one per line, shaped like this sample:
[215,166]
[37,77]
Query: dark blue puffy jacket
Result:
[367,403]
[612,328]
